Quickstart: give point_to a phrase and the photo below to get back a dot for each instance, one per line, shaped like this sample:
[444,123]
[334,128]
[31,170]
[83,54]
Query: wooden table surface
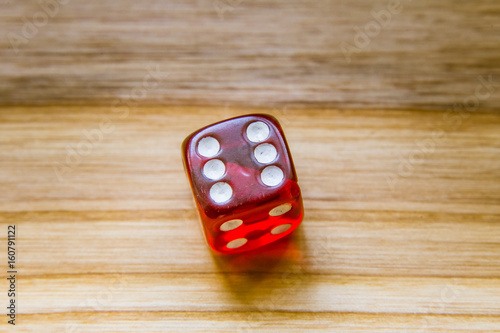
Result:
[396,145]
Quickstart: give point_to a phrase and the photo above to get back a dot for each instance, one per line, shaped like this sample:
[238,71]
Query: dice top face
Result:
[244,182]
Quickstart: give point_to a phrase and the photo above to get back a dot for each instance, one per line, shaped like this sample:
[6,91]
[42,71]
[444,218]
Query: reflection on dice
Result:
[244,182]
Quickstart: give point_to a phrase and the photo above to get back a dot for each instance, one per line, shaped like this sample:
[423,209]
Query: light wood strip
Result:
[230,322]
[328,242]
[288,291]
[345,159]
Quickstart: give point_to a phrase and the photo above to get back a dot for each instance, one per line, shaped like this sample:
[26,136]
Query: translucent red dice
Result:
[244,182]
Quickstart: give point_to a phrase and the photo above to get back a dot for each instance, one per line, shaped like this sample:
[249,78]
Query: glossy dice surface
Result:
[244,182]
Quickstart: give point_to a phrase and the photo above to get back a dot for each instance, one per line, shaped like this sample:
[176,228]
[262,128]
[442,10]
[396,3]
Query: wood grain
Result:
[401,231]
[249,53]
[402,205]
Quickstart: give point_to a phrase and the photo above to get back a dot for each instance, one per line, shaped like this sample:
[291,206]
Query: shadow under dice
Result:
[244,183]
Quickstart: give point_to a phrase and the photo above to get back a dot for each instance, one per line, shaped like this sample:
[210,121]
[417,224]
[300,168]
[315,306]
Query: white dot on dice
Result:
[231,225]
[221,192]
[281,229]
[257,131]
[272,175]
[208,147]
[280,210]
[265,153]
[214,169]
[239,242]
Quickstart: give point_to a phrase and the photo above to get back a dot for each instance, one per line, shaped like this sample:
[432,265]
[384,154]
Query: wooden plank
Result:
[268,291]
[358,160]
[329,242]
[401,228]
[261,53]
[218,321]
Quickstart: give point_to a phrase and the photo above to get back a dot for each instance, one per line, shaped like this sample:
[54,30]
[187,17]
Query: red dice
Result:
[244,182]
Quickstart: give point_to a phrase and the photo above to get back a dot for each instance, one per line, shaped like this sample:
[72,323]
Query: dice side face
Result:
[257,227]
[244,182]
